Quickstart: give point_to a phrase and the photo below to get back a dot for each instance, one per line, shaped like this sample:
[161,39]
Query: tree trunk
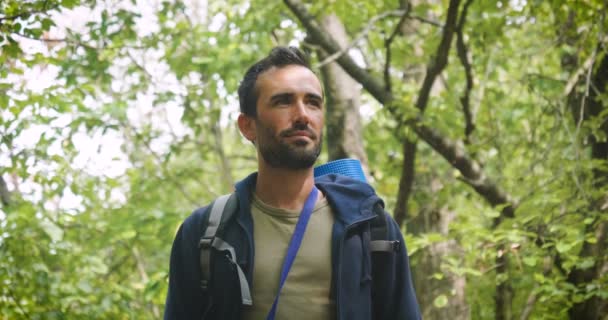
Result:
[428,262]
[584,106]
[593,308]
[344,138]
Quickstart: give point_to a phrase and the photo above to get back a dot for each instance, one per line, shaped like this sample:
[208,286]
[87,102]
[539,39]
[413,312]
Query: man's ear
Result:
[247,126]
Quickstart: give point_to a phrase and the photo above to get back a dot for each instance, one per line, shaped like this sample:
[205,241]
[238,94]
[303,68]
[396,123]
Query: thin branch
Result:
[426,20]
[586,95]
[370,25]
[440,59]
[387,44]
[115,267]
[59,40]
[463,56]
[316,32]
[406,182]
[573,80]
[140,67]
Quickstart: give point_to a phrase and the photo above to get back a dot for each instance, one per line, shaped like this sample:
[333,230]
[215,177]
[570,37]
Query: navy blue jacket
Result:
[353,203]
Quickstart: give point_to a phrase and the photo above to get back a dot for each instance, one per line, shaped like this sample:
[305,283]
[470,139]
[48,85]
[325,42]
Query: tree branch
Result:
[370,25]
[409,147]
[450,150]
[472,173]
[387,44]
[463,56]
[371,84]
[426,20]
[440,59]
[58,40]
[406,181]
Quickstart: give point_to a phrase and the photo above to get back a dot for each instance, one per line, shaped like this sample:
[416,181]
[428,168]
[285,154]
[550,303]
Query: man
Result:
[282,114]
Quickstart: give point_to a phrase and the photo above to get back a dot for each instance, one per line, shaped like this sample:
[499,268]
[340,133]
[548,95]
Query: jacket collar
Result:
[351,200]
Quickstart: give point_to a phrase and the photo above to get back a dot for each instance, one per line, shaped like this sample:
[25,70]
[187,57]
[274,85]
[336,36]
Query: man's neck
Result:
[284,188]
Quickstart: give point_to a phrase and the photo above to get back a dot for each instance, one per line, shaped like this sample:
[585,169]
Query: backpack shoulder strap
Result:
[216,211]
[379,233]
[220,212]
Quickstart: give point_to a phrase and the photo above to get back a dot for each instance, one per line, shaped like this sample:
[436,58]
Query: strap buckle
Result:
[385,246]
[204,245]
[205,242]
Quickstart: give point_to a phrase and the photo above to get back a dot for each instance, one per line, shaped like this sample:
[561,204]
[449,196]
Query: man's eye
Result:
[316,103]
[282,101]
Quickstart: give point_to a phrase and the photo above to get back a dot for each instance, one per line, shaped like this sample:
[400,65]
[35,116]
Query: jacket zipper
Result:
[340,253]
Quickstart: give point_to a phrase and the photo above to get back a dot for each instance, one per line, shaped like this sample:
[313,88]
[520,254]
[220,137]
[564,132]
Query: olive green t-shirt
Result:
[306,292]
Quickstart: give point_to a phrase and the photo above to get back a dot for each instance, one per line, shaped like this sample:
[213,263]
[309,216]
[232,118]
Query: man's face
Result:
[289,124]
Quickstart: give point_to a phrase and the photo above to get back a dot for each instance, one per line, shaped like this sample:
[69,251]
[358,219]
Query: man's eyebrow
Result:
[289,95]
[282,95]
[314,96]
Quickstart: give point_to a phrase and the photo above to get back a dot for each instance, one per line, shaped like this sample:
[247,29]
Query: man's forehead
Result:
[289,78]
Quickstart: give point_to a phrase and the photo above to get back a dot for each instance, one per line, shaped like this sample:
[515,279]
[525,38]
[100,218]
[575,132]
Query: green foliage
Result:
[88,229]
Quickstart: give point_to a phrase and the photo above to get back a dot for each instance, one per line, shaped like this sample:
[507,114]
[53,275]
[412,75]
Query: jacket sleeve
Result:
[185,299]
[405,303]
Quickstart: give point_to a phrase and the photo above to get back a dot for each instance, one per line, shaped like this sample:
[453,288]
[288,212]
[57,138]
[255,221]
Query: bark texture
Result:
[344,138]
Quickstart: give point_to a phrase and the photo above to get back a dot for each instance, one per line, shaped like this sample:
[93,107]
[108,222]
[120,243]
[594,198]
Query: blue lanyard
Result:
[294,245]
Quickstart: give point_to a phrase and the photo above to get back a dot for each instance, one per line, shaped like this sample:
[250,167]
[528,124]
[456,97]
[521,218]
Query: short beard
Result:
[286,156]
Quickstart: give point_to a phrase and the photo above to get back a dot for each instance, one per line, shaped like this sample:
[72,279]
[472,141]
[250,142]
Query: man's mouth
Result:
[299,133]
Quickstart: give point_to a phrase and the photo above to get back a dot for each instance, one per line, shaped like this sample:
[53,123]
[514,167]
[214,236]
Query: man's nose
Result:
[301,112]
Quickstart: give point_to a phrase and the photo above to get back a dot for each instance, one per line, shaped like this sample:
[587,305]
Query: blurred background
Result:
[482,124]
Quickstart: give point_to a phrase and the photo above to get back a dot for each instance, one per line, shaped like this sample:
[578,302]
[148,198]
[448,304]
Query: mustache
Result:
[296,129]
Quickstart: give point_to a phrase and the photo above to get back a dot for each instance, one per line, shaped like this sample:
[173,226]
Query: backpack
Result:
[224,207]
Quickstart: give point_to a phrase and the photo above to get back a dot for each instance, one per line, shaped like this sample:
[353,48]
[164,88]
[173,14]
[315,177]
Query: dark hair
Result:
[278,57]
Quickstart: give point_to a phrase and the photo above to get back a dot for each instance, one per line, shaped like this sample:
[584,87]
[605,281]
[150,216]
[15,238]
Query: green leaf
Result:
[440,301]
[563,247]
[530,261]
[46,23]
[52,230]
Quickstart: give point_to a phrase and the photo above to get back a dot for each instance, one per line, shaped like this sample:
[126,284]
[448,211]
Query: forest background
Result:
[483,124]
